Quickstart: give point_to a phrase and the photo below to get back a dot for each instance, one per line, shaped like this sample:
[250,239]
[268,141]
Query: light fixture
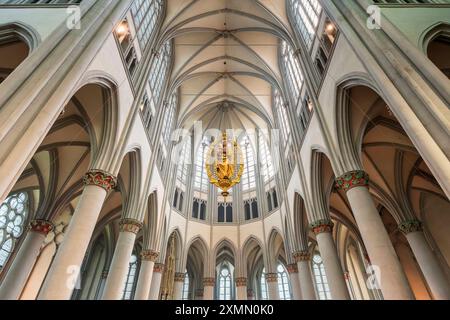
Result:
[224,164]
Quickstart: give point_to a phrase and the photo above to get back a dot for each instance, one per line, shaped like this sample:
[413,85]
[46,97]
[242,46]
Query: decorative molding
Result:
[199,293]
[241,282]
[105,274]
[352,179]
[410,226]
[149,255]
[101,179]
[272,277]
[159,267]
[41,226]
[209,282]
[130,225]
[292,268]
[179,277]
[300,256]
[321,226]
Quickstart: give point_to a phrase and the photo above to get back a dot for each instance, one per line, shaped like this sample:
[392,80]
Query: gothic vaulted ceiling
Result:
[226,60]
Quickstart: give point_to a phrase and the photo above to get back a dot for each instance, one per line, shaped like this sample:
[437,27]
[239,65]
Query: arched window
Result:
[159,72]
[201,179]
[267,170]
[320,278]
[184,160]
[130,282]
[145,16]
[292,71]
[280,108]
[263,286]
[248,176]
[283,283]
[13,215]
[224,284]
[306,14]
[186,285]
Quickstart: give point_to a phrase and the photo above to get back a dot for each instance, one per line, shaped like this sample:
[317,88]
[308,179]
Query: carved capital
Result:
[292,268]
[149,255]
[179,277]
[101,179]
[159,267]
[322,226]
[130,225]
[250,293]
[209,282]
[301,256]
[241,282]
[41,226]
[271,277]
[199,293]
[352,179]
[410,226]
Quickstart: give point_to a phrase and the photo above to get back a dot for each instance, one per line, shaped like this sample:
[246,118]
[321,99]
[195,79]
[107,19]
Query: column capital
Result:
[409,226]
[322,226]
[41,226]
[179,277]
[199,293]
[241,282]
[250,293]
[292,268]
[300,256]
[271,277]
[158,267]
[149,255]
[101,179]
[209,282]
[352,179]
[130,225]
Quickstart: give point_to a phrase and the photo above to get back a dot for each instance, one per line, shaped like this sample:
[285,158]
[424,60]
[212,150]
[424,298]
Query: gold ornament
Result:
[224,167]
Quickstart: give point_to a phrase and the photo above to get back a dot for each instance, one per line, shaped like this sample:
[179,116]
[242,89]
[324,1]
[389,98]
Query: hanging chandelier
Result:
[224,164]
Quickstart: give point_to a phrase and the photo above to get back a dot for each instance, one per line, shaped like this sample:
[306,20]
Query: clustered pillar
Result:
[272,286]
[208,288]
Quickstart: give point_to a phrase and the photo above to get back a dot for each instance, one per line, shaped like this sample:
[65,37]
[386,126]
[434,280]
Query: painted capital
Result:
[292,268]
[250,293]
[41,226]
[352,179]
[241,282]
[410,226]
[149,255]
[130,225]
[101,179]
[159,267]
[322,226]
[199,293]
[179,277]
[300,256]
[271,277]
[209,282]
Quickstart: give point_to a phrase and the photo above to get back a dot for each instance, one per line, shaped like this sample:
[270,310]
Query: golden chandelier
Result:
[224,164]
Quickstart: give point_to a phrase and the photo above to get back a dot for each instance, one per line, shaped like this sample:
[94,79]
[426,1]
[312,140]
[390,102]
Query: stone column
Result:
[303,259]
[25,259]
[148,258]
[393,281]
[64,271]
[429,264]
[272,286]
[333,269]
[208,288]
[155,287]
[178,286]
[295,281]
[198,294]
[120,263]
[250,294]
[241,288]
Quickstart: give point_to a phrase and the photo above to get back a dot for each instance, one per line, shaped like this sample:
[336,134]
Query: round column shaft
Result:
[148,258]
[63,274]
[115,283]
[295,282]
[156,281]
[208,288]
[24,261]
[178,286]
[303,260]
[241,288]
[272,286]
